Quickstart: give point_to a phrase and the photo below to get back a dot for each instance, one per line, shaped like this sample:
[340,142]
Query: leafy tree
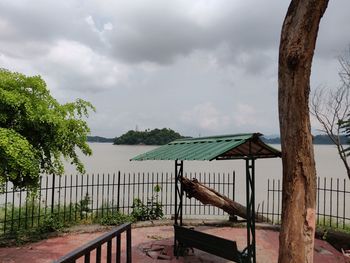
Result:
[36,131]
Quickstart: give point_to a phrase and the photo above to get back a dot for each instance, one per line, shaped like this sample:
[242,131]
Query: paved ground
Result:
[156,241]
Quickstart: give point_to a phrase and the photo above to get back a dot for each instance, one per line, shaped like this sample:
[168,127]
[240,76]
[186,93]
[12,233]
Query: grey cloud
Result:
[161,37]
[43,22]
[159,58]
[24,49]
[155,38]
[334,34]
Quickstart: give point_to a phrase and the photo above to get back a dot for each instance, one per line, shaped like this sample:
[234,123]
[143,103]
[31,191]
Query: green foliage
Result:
[84,204]
[115,218]
[33,220]
[51,223]
[152,210]
[148,137]
[43,220]
[36,224]
[157,188]
[327,223]
[18,158]
[37,131]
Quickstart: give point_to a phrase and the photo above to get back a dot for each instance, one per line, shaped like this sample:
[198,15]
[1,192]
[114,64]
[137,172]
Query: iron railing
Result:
[78,197]
[332,197]
[96,248]
[74,197]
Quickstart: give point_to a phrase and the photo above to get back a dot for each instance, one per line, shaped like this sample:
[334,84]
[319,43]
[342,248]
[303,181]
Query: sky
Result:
[200,67]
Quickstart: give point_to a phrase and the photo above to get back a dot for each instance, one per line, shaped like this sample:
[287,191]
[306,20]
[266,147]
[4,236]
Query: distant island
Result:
[148,137]
[317,139]
[164,136]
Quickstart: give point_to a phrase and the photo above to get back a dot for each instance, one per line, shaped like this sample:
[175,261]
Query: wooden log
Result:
[339,240]
[209,196]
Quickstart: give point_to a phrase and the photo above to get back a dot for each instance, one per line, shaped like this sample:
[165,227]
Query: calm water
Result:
[108,158]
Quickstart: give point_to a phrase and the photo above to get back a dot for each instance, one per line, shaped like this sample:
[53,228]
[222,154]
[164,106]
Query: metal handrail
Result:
[97,243]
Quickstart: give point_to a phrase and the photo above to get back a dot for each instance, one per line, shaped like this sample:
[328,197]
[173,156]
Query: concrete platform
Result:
[154,244]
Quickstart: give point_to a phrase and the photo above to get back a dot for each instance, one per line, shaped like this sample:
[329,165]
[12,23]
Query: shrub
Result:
[115,218]
[151,211]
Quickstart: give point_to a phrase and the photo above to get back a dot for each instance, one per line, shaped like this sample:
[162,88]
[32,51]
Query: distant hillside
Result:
[276,140]
[317,139]
[99,139]
[324,139]
[148,137]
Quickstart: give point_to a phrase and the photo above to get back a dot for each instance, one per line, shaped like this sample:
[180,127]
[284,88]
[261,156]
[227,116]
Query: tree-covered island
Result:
[148,137]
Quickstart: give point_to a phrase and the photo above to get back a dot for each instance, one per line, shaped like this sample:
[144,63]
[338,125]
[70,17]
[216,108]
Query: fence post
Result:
[53,194]
[118,191]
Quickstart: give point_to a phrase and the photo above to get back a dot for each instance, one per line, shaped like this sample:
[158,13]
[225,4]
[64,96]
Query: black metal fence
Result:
[333,209]
[95,248]
[77,197]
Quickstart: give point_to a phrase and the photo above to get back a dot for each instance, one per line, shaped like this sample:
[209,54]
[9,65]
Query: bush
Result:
[52,223]
[153,210]
[115,218]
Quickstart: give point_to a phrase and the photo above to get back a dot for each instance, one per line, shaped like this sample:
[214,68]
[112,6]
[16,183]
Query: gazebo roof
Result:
[235,146]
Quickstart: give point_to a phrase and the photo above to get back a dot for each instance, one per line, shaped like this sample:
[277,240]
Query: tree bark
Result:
[297,44]
[207,195]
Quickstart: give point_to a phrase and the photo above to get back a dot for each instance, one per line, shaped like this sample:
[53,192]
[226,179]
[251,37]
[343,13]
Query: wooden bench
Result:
[218,246]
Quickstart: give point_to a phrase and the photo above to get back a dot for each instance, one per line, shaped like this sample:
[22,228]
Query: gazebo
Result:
[248,147]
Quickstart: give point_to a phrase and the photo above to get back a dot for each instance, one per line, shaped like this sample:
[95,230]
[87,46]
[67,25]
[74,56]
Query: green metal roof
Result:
[236,146]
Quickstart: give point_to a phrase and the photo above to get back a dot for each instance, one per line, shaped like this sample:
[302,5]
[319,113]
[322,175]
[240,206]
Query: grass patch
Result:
[328,223]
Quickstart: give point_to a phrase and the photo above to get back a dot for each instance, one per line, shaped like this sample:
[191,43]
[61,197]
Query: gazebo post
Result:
[178,192]
[178,198]
[250,199]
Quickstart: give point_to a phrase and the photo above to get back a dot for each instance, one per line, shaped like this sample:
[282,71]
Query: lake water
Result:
[108,158]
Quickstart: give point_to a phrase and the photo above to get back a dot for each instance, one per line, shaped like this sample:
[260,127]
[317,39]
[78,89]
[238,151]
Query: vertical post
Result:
[118,191]
[181,192]
[53,194]
[176,186]
[248,248]
[178,198]
[128,245]
[118,246]
[253,207]
[250,199]
[6,192]
[178,192]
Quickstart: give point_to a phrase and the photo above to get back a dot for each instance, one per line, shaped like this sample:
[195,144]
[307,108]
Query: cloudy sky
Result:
[200,67]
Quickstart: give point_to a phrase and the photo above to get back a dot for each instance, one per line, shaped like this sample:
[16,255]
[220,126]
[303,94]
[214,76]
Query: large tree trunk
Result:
[298,39]
[207,195]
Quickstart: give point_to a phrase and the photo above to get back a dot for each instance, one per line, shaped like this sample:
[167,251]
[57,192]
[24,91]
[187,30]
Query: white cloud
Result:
[78,67]
[108,26]
[90,21]
[207,117]
[245,115]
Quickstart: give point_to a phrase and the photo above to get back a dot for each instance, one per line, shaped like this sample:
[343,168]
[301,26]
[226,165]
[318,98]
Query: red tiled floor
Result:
[142,238]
